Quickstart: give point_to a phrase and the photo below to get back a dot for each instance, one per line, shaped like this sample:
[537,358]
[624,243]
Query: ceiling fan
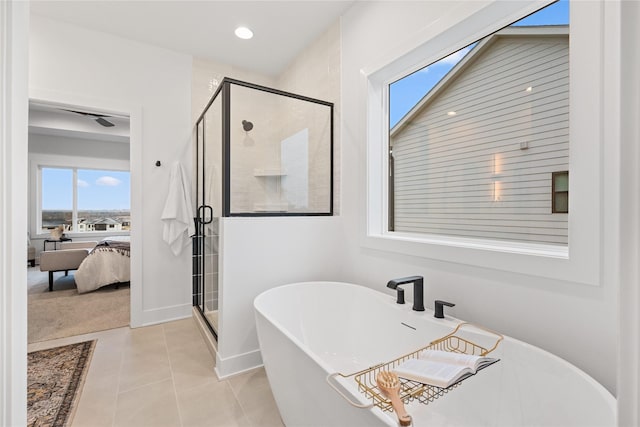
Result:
[100,118]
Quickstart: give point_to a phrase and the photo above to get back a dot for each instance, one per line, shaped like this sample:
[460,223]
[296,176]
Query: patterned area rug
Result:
[54,381]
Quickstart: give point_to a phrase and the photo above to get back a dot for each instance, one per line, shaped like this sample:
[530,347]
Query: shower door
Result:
[205,245]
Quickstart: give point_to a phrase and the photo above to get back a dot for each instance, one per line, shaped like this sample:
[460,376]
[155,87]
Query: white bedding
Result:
[102,267]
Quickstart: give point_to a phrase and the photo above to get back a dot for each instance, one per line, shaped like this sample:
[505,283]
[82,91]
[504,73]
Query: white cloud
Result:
[82,183]
[451,60]
[455,57]
[108,181]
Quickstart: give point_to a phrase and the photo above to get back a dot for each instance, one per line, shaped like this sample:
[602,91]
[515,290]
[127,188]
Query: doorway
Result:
[79,198]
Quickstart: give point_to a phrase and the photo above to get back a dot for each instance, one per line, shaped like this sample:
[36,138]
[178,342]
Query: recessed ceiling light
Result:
[244,33]
[451,113]
[529,89]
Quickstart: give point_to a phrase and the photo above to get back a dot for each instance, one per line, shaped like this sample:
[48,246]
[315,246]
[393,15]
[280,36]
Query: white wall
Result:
[14,21]
[629,318]
[574,321]
[261,253]
[65,146]
[75,66]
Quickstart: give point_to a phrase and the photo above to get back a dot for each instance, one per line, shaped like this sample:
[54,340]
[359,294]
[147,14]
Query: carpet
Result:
[54,382]
[65,313]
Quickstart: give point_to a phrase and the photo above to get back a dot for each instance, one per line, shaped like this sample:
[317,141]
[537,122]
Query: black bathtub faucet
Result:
[439,308]
[418,289]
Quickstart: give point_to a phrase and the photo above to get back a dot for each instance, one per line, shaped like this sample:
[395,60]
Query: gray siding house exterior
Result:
[475,157]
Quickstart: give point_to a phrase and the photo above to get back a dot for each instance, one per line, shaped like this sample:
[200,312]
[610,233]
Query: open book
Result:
[442,368]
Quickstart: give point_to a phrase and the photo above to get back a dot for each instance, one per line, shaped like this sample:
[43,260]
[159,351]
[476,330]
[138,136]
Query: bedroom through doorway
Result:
[79,269]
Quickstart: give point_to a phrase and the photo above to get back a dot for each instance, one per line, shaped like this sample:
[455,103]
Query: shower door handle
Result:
[202,214]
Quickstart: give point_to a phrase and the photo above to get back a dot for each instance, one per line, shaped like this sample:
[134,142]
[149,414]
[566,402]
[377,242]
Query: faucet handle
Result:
[439,308]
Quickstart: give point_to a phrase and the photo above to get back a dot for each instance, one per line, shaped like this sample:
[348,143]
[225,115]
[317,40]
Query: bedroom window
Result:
[84,200]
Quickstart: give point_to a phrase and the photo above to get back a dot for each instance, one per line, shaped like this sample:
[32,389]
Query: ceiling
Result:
[59,121]
[205,29]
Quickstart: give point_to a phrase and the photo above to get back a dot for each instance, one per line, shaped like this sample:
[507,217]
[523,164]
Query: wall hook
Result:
[158,163]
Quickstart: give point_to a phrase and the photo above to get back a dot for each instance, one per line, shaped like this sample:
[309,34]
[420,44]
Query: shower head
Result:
[247,125]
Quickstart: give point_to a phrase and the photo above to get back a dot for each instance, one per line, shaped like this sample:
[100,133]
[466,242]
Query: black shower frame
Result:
[224,89]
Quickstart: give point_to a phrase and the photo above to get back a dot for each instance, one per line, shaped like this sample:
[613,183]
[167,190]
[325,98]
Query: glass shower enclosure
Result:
[259,152]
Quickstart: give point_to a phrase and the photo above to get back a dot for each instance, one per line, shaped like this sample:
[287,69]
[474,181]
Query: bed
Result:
[106,264]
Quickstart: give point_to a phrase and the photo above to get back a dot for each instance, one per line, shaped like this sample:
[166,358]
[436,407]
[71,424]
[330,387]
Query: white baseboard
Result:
[230,366]
[165,314]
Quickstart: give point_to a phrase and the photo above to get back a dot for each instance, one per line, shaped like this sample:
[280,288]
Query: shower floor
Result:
[212,317]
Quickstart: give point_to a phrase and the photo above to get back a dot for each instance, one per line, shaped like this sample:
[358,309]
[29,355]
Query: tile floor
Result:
[163,375]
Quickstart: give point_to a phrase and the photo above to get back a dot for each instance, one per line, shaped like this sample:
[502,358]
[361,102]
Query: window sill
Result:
[511,247]
[533,260]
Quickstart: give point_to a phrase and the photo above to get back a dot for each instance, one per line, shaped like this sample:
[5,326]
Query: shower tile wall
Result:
[316,73]
[211,268]
[206,77]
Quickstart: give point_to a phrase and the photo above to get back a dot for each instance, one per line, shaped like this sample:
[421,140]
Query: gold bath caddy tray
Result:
[413,390]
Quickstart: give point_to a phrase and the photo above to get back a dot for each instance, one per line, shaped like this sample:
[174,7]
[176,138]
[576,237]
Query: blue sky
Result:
[407,92]
[97,189]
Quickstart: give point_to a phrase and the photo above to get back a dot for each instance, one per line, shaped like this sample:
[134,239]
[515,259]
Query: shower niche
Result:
[259,152]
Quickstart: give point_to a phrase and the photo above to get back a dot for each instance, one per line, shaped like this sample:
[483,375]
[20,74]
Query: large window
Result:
[493,197]
[475,138]
[84,200]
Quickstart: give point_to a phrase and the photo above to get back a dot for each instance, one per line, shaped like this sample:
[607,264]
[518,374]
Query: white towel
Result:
[177,215]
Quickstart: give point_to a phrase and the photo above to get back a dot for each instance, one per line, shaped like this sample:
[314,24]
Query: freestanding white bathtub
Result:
[308,331]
